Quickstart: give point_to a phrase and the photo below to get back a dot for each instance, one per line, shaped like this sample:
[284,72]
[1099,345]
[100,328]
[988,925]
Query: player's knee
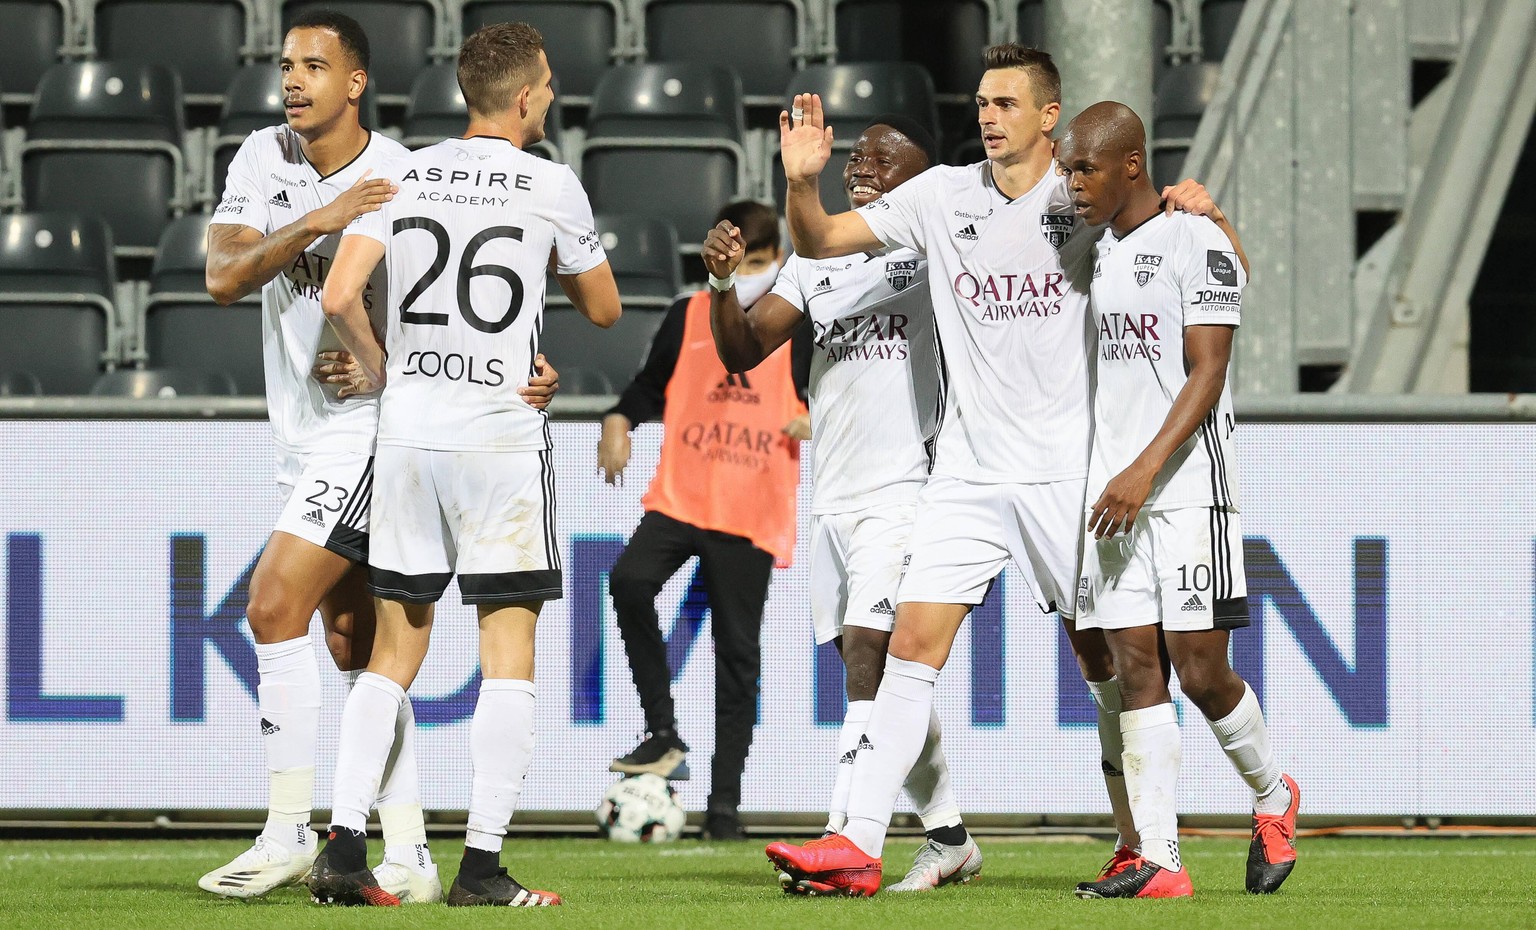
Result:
[1210,686]
[272,615]
[341,646]
[1093,658]
[865,663]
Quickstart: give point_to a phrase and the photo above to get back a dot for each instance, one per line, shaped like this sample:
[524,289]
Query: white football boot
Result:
[266,865]
[936,865]
[408,884]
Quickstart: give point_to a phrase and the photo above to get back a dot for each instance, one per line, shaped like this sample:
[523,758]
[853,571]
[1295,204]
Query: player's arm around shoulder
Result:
[1190,196]
[744,338]
[342,302]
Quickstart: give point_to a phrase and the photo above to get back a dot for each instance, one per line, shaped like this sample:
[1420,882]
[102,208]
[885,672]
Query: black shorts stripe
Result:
[409,589]
[349,542]
[1230,613]
[547,486]
[512,587]
[362,496]
[941,400]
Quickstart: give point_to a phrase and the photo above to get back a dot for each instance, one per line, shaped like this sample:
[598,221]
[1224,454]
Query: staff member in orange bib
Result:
[724,491]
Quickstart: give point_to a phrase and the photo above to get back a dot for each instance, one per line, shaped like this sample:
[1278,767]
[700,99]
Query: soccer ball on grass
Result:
[641,809]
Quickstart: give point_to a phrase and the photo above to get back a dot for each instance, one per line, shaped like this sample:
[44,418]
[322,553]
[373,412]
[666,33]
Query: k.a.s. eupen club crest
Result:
[900,274]
[1056,227]
[1146,266]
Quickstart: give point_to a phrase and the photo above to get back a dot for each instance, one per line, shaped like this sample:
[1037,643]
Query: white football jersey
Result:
[468,240]
[1012,324]
[1168,273]
[874,375]
[270,185]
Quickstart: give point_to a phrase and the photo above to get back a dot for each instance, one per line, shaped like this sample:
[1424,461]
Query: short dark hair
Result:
[915,132]
[758,222]
[353,39]
[495,63]
[1043,76]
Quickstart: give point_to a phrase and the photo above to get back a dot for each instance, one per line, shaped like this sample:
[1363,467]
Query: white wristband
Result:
[723,284]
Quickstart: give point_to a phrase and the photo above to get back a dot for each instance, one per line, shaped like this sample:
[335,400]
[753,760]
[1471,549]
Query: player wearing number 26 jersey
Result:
[464,483]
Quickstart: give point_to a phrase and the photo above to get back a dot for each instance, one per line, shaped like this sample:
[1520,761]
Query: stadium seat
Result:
[665,140]
[36,32]
[436,111]
[1031,23]
[1218,24]
[592,360]
[402,37]
[643,255]
[947,37]
[1183,93]
[853,94]
[140,383]
[775,31]
[202,42]
[56,289]
[582,37]
[254,100]
[19,383]
[105,138]
[183,328]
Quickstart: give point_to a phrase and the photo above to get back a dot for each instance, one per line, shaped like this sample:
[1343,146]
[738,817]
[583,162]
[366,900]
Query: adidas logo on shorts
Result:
[315,517]
[268,727]
[864,742]
[848,757]
[1194,603]
[969,232]
[884,607]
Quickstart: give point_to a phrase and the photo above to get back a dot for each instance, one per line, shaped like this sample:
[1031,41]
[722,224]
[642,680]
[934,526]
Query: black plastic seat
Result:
[1218,24]
[946,37]
[402,37]
[1183,94]
[583,351]
[105,138]
[35,32]
[254,100]
[665,140]
[582,38]
[20,384]
[772,39]
[642,252]
[1031,23]
[203,42]
[57,282]
[183,328]
[853,94]
[140,383]
[436,111]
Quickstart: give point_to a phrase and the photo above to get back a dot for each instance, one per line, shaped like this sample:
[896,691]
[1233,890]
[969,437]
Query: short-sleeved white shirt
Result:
[270,185]
[1011,323]
[468,240]
[874,375]
[1168,273]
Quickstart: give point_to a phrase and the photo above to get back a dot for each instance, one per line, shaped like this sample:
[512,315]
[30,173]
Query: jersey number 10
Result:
[467,271]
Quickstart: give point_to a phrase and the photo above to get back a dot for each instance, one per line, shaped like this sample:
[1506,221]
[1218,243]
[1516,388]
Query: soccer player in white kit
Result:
[464,471]
[1163,564]
[1012,451]
[291,190]
[874,395]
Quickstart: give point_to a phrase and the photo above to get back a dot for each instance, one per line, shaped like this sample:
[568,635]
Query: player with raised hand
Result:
[464,470]
[874,395]
[1011,457]
[1163,562]
[291,190]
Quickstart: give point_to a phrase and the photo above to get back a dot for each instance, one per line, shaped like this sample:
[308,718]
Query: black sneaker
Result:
[499,890]
[661,753]
[341,876]
[721,826]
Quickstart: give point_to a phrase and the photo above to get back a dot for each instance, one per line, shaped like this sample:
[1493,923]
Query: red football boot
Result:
[1124,856]
[1272,854]
[832,865]
[1140,879]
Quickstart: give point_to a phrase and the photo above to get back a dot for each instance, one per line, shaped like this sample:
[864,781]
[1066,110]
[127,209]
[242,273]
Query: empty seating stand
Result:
[436,111]
[766,41]
[402,37]
[203,41]
[35,33]
[582,38]
[105,138]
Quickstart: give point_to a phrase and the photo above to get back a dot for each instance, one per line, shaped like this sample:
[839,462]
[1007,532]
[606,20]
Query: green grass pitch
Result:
[1351,883]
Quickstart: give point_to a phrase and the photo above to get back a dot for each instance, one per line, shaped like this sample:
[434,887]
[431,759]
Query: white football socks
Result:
[1245,739]
[288,701]
[854,723]
[1151,758]
[1106,699]
[399,802]
[928,783]
[500,749]
[898,727]
[367,735]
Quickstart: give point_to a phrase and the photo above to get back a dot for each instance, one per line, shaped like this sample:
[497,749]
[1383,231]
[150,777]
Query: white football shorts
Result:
[965,532]
[1181,568]
[326,499]
[856,563]
[488,517]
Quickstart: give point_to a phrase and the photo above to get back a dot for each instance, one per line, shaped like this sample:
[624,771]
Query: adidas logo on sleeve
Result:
[884,607]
